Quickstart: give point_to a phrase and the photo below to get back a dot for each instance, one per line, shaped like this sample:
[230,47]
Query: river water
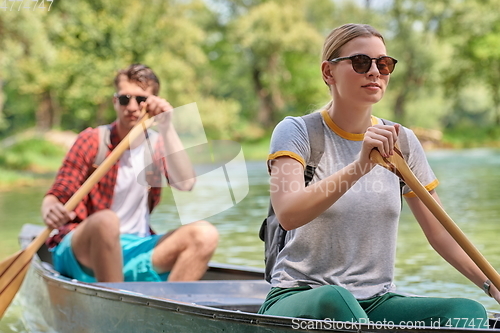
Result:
[469,189]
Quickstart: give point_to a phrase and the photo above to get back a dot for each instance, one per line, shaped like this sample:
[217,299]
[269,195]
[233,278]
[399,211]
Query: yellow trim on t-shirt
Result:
[288,154]
[376,120]
[428,187]
[340,132]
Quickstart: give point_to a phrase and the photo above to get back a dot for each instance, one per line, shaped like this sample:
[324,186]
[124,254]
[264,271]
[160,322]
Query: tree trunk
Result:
[266,105]
[495,92]
[2,101]
[496,105]
[399,107]
[56,110]
[100,117]
[273,70]
[44,115]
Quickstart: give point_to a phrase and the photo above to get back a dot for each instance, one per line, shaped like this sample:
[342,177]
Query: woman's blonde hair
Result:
[340,36]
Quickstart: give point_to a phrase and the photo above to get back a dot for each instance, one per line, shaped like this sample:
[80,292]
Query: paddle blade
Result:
[7,262]
[9,292]
[13,270]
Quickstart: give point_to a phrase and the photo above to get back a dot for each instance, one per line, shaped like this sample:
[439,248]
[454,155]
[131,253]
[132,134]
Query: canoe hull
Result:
[61,305]
[226,300]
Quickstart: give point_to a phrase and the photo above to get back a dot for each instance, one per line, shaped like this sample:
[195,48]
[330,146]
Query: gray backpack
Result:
[271,232]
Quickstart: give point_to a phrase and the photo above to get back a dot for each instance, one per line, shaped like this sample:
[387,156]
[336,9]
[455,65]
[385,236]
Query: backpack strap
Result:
[315,132]
[104,143]
[151,138]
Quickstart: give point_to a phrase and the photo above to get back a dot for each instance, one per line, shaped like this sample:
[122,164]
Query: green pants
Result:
[334,303]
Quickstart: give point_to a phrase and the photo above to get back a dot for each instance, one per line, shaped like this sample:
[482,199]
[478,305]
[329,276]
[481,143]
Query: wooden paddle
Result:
[398,165]
[14,268]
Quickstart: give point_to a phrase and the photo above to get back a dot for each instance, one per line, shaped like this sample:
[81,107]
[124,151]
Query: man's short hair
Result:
[140,74]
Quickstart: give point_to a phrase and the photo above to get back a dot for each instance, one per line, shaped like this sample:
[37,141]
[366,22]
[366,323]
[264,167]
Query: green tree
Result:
[410,34]
[474,31]
[67,58]
[242,69]
[25,53]
[96,38]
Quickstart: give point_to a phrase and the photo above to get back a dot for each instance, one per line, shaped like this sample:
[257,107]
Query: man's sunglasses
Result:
[361,63]
[125,99]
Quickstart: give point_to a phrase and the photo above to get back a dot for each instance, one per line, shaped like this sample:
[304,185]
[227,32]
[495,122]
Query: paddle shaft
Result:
[440,214]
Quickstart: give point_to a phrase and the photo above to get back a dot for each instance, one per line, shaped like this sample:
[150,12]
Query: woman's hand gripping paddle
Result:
[14,268]
[398,165]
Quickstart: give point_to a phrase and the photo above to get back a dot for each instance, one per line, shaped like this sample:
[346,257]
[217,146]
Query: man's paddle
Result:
[14,268]
[398,165]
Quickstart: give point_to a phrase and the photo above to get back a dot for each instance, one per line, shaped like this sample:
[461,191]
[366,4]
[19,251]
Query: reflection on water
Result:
[469,189]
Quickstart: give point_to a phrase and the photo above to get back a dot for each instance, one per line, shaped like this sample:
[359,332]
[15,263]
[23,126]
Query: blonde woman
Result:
[339,256]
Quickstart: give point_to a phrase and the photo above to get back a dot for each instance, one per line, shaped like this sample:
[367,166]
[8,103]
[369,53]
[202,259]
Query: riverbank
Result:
[11,179]
[33,158]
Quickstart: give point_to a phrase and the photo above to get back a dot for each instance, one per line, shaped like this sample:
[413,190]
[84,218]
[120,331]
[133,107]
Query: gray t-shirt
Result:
[353,243]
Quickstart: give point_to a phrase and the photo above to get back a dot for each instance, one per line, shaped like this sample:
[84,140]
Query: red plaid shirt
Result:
[77,167]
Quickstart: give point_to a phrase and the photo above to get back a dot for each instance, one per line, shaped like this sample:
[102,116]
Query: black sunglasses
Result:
[361,63]
[125,99]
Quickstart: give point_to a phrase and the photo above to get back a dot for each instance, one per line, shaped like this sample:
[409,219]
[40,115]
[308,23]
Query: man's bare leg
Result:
[186,251]
[96,245]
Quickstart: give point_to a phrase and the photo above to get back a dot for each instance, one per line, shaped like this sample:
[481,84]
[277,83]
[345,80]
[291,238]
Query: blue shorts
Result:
[137,255]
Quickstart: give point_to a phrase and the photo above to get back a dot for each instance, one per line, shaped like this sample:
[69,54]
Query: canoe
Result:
[225,300]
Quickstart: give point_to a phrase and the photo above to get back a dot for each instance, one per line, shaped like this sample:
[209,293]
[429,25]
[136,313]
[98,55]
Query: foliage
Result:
[247,63]
[473,31]
[219,117]
[256,150]
[33,154]
[470,136]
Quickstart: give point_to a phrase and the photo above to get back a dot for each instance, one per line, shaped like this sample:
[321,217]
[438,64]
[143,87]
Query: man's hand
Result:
[161,109]
[54,214]
[156,105]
